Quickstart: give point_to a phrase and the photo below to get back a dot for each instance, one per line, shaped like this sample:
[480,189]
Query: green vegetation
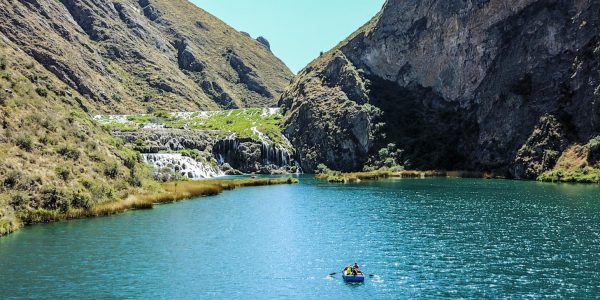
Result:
[577,164]
[325,174]
[53,157]
[583,175]
[254,123]
[169,193]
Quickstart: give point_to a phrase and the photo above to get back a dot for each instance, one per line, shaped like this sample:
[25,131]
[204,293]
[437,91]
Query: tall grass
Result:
[339,177]
[172,192]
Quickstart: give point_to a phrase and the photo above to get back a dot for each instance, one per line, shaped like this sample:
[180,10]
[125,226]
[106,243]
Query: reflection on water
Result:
[418,238]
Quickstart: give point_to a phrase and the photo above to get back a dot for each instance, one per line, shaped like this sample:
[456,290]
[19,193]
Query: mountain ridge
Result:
[453,86]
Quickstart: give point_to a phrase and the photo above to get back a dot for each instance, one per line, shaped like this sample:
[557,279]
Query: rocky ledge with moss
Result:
[226,142]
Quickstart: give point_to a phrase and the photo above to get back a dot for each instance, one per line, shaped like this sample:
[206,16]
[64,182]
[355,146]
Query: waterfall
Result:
[186,166]
[274,155]
[226,150]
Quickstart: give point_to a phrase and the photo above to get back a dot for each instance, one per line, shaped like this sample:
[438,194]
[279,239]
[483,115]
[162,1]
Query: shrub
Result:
[42,92]
[322,169]
[81,199]
[63,173]
[112,171]
[54,198]
[3,63]
[69,151]
[135,180]
[594,145]
[25,142]
[12,179]
[20,200]
[87,183]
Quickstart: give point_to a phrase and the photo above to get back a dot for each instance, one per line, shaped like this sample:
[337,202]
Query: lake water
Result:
[429,238]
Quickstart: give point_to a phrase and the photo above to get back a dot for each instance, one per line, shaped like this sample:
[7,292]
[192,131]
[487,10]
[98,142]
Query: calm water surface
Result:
[431,238]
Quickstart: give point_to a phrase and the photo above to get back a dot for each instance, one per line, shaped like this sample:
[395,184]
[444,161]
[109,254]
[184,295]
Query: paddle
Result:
[331,274]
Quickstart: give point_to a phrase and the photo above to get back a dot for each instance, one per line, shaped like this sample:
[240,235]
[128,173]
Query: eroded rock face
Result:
[542,149]
[130,55]
[455,84]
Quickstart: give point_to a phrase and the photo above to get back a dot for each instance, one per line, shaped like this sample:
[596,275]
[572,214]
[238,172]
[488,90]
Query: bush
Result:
[112,171]
[63,173]
[3,63]
[20,201]
[70,152]
[135,180]
[54,198]
[12,179]
[25,142]
[594,145]
[322,169]
[81,199]
[42,92]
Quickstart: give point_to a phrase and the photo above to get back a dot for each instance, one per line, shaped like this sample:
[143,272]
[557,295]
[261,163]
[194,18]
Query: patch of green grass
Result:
[581,175]
[252,123]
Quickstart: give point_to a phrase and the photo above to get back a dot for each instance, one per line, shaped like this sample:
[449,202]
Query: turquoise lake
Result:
[420,238]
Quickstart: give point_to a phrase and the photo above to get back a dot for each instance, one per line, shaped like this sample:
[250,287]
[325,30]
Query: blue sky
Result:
[297,29]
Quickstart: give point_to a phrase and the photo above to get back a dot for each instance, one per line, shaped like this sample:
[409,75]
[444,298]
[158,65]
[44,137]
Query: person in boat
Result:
[356,269]
[348,270]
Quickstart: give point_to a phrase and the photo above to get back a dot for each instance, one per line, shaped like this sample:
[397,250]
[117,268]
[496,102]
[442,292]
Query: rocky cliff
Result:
[490,85]
[138,55]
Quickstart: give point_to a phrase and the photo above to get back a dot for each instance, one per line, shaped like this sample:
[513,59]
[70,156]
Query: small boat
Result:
[354,278]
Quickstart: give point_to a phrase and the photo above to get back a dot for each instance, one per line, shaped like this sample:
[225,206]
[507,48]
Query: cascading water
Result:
[274,155]
[249,156]
[225,151]
[183,165]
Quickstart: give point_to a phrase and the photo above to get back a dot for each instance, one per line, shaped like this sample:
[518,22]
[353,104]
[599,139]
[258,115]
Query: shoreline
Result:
[172,192]
[340,177]
[563,177]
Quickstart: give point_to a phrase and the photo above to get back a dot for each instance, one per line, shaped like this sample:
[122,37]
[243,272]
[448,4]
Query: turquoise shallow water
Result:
[430,238]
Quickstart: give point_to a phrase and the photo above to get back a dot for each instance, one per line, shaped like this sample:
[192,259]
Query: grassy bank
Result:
[577,164]
[171,192]
[339,177]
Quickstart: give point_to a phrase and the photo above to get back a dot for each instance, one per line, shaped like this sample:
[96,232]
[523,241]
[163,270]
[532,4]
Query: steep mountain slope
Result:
[62,62]
[133,56]
[491,85]
[53,158]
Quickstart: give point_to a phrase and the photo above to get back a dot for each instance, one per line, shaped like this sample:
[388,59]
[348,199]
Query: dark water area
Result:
[420,238]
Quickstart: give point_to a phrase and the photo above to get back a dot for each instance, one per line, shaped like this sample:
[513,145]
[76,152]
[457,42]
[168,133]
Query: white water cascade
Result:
[183,165]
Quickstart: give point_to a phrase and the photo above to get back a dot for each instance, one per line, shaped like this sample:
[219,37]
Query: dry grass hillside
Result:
[139,55]
[53,158]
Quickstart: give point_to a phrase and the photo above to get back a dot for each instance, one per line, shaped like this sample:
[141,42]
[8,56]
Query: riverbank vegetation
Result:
[577,164]
[325,174]
[53,156]
[169,192]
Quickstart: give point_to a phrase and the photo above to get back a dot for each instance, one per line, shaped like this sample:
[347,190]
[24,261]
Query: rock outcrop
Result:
[134,55]
[233,155]
[455,85]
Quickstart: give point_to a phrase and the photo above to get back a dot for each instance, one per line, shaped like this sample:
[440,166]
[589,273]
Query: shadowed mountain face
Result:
[130,55]
[488,85]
